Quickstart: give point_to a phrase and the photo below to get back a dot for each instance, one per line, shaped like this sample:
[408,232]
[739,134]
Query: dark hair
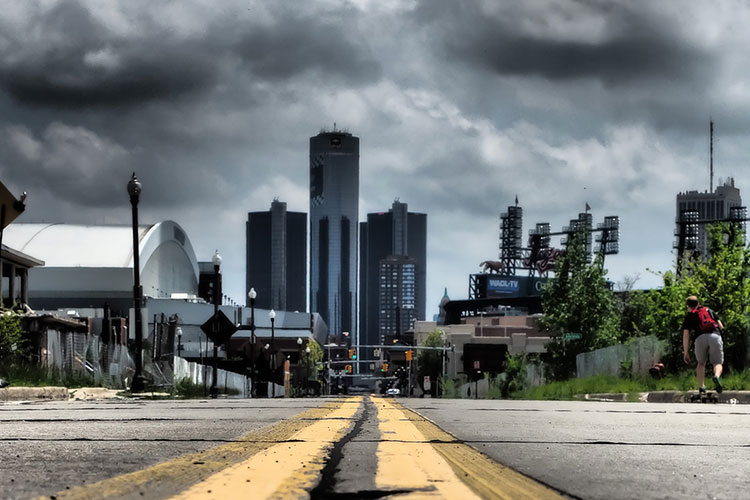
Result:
[692,303]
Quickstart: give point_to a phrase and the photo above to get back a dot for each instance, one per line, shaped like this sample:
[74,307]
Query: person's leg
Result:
[716,354]
[701,356]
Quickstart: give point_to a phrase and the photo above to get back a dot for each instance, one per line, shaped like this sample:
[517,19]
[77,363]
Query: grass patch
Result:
[683,381]
[24,375]
[186,388]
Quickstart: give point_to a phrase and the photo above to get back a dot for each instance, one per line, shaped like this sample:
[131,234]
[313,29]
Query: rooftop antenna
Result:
[711,161]
[334,126]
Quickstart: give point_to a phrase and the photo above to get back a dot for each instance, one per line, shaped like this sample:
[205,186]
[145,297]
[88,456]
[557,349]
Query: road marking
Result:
[168,478]
[487,478]
[285,470]
[407,462]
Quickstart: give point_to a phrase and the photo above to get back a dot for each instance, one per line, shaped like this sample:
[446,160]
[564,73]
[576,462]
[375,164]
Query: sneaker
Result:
[702,390]
[717,383]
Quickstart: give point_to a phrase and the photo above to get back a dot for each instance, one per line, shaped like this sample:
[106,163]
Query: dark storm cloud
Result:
[299,43]
[78,62]
[634,41]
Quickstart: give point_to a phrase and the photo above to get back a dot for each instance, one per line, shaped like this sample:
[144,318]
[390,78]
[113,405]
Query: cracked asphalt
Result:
[578,449]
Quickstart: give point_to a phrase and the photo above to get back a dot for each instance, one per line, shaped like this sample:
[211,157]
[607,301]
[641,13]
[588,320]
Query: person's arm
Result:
[686,345]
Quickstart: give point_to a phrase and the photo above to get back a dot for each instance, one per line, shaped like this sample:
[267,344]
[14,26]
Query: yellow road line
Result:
[407,462]
[487,478]
[286,470]
[168,478]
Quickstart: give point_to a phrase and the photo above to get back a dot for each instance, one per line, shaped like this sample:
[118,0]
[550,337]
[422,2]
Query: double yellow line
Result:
[414,457]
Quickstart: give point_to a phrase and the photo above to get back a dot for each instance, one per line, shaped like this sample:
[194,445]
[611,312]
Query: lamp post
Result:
[272,316]
[251,295]
[179,342]
[216,259]
[307,366]
[138,383]
[299,360]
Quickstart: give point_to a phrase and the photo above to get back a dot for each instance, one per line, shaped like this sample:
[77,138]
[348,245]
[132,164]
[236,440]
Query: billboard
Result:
[496,285]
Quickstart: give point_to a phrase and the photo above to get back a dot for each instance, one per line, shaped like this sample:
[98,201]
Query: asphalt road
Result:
[368,447]
[609,450]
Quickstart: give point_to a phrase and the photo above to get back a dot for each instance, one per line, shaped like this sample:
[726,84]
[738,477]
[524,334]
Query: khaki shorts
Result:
[709,347]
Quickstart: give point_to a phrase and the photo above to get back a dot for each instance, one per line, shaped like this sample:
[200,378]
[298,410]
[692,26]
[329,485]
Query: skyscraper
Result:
[334,210]
[705,206]
[277,258]
[393,257]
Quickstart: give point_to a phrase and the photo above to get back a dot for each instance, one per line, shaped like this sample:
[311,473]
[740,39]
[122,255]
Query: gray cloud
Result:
[628,41]
[78,62]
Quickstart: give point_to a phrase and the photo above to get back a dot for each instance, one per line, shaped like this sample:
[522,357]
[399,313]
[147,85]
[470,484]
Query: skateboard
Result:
[706,397]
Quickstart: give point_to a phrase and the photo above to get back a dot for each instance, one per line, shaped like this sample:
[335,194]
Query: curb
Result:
[732,397]
[34,394]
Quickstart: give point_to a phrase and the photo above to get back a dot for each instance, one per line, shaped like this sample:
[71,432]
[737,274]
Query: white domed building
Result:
[88,265]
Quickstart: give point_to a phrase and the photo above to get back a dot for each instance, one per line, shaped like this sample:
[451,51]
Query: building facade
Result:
[393,257]
[705,206]
[334,211]
[276,252]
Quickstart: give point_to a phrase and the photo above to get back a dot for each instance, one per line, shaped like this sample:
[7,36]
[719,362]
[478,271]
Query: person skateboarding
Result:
[708,344]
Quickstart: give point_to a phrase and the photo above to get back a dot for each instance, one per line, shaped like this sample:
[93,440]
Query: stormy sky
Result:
[459,106]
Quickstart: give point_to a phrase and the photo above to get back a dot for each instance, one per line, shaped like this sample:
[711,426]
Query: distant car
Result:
[392,392]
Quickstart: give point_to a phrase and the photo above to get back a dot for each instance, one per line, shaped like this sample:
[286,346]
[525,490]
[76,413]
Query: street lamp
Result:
[138,383]
[216,260]
[272,316]
[179,342]
[251,295]
[299,360]
[307,366]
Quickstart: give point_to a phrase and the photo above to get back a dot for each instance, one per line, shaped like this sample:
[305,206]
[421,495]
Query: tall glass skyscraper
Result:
[393,258]
[276,258]
[334,210]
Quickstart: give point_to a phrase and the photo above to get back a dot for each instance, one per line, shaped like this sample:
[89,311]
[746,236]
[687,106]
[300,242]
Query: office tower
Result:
[694,206]
[393,257]
[334,209]
[277,258]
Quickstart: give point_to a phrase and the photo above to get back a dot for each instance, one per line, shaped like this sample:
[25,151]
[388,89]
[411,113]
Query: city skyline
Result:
[458,108]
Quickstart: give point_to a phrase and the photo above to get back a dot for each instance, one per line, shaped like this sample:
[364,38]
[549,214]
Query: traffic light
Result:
[408,355]
[384,368]
[352,354]
[348,368]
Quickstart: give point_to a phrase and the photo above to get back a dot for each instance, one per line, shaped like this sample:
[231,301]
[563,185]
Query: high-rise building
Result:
[277,258]
[393,257]
[334,211]
[695,206]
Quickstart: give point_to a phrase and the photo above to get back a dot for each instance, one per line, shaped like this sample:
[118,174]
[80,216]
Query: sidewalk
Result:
[34,394]
[63,394]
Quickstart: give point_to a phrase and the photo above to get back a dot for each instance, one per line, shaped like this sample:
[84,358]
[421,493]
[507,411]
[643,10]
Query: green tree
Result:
[577,300]
[11,336]
[311,365]
[721,282]
[430,363]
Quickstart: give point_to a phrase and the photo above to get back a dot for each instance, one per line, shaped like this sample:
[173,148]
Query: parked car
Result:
[392,392]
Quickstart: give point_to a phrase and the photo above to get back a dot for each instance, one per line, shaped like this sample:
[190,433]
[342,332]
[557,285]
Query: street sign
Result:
[219,328]
[376,352]
[571,336]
